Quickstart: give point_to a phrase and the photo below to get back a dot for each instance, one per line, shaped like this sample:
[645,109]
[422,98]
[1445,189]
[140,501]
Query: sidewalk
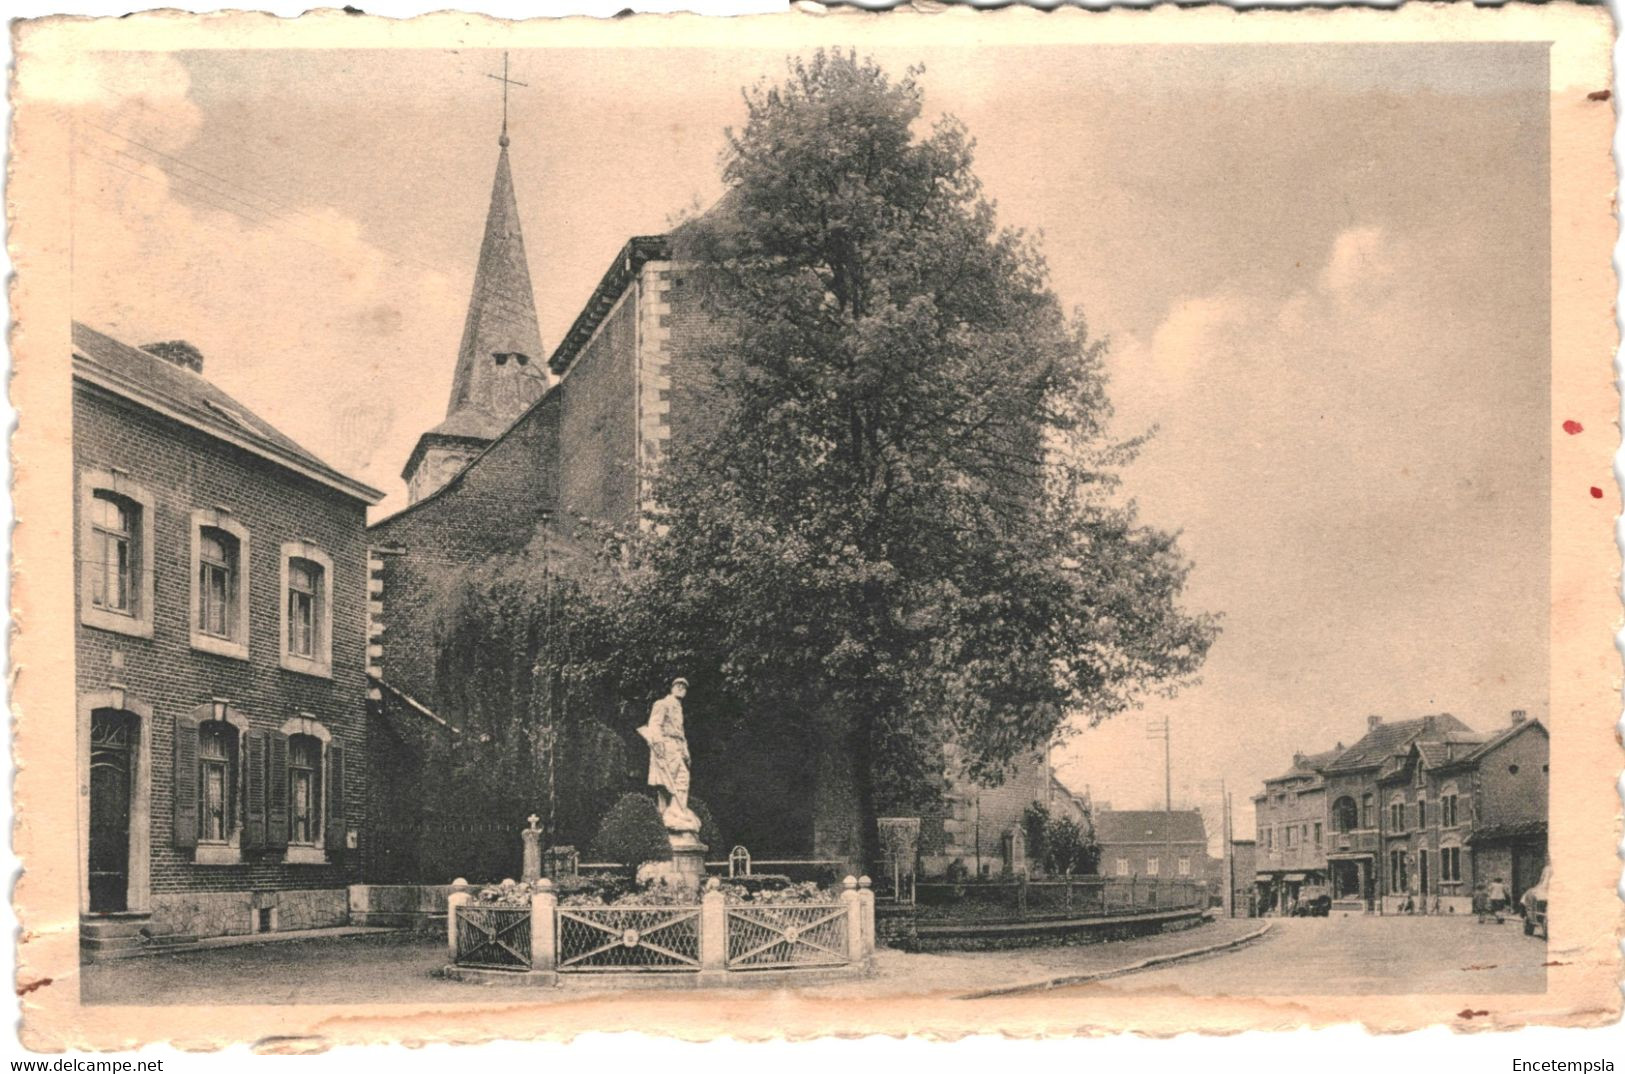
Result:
[400,968]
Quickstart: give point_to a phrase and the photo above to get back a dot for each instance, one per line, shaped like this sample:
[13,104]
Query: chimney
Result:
[1430,725]
[1519,716]
[1371,722]
[1297,758]
[177,352]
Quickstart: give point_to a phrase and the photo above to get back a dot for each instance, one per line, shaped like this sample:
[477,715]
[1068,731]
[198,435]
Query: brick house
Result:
[1464,811]
[1356,855]
[1140,842]
[1290,851]
[980,827]
[221,580]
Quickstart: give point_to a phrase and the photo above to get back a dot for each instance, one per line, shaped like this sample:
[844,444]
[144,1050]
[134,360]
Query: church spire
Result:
[501,367]
[500,364]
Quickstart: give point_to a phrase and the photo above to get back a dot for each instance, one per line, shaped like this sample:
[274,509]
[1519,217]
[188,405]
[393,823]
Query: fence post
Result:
[866,895]
[544,944]
[713,929]
[854,918]
[454,901]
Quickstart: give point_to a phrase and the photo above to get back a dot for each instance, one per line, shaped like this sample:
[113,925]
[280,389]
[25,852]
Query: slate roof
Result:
[165,387]
[1308,767]
[1505,833]
[1121,826]
[1390,739]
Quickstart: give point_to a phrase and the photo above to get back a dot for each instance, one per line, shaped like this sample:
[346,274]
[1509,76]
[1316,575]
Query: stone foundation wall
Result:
[237,913]
[421,907]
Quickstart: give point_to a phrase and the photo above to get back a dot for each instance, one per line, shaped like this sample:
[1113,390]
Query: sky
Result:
[1323,271]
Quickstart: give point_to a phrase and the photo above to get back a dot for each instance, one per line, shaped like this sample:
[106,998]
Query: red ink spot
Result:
[1599,95]
[28,986]
[1596,493]
[1470,1013]
[1572,427]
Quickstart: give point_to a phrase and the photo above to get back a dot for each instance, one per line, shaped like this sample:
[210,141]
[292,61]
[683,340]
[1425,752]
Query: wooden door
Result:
[112,738]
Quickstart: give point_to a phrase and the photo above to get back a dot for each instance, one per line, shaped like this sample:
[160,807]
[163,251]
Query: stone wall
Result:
[203,914]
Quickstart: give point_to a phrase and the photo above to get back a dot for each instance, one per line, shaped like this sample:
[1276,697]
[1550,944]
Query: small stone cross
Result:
[533,818]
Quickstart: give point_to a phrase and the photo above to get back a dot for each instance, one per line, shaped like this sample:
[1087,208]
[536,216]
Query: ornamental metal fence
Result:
[493,937]
[766,937]
[629,938]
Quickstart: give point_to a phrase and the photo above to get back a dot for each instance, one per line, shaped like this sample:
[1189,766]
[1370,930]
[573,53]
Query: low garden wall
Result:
[710,941]
[1020,912]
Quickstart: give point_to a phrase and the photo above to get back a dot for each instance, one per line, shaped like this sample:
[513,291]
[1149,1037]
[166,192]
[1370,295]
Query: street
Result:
[1355,955]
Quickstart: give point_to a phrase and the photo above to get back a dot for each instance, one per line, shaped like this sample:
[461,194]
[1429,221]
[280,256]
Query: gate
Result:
[629,938]
[493,937]
[770,936]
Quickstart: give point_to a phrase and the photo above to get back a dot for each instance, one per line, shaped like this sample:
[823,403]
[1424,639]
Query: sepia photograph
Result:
[952,524]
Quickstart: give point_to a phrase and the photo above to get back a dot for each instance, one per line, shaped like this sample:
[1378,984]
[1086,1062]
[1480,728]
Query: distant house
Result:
[1243,892]
[1152,843]
[978,825]
[1291,847]
[219,659]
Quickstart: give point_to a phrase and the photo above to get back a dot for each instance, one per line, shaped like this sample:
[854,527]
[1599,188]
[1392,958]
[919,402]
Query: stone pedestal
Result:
[688,859]
[531,867]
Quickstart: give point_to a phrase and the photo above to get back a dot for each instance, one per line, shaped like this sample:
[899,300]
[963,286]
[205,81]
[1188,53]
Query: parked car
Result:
[1319,906]
[1535,915]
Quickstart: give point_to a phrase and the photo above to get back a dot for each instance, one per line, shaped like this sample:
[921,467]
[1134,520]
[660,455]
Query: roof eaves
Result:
[92,373]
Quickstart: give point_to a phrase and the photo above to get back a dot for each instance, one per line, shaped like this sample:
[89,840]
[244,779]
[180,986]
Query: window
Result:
[219,587]
[1396,816]
[1345,815]
[1367,811]
[1397,880]
[217,781]
[1318,835]
[1421,812]
[1184,867]
[1450,865]
[1448,807]
[304,789]
[304,588]
[306,611]
[1291,836]
[112,562]
[1122,866]
[1269,838]
[1152,866]
[115,554]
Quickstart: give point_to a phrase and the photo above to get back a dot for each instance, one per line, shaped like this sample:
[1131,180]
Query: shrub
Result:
[710,834]
[631,833]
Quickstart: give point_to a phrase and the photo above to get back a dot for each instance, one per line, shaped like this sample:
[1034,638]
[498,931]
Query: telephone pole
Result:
[1155,730]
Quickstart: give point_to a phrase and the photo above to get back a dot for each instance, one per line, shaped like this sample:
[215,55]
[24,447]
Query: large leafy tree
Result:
[903,529]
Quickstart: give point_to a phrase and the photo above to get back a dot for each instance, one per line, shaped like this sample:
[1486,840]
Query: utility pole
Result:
[1155,730]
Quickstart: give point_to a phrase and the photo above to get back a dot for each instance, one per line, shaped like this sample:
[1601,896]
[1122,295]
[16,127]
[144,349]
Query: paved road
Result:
[1355,955]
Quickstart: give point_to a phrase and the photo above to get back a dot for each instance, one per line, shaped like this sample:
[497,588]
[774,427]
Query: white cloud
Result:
[1360,256]
[321,331]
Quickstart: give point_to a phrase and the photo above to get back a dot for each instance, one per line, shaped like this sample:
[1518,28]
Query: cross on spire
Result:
[506,82]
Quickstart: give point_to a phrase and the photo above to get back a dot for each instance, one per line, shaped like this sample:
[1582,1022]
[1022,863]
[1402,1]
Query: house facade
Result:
[220,574]
[1290,850]
[1152,844]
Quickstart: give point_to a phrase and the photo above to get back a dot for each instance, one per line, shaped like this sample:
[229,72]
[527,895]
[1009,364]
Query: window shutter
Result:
[276,798]
[255,791]
[184,781]
[337,833]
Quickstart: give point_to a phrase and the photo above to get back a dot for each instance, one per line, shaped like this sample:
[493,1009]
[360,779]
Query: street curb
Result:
[1118,971]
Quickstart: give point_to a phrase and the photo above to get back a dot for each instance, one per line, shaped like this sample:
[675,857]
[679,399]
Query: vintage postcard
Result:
[822,523]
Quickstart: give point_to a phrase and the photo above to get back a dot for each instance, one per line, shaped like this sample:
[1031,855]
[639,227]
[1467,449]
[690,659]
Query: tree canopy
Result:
[903,527]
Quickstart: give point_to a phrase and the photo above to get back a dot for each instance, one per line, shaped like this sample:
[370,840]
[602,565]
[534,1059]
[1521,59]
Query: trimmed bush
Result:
[710,834]
[631,833]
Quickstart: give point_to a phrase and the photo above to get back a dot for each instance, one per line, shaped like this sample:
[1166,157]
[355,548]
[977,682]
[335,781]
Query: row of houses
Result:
[1410,818]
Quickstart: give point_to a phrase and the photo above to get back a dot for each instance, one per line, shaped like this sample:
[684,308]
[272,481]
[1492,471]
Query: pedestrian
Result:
[1498,900]
[1481,901]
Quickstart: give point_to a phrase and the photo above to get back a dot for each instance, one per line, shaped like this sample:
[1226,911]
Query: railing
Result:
[493,937]
[770,936]
[630,938]
[707,936]
[1061,898]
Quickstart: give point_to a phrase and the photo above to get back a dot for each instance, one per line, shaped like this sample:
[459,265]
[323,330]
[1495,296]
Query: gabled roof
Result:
[1500,739]
[1389,740]
[182,395]
[1307,766]
[1149,826]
